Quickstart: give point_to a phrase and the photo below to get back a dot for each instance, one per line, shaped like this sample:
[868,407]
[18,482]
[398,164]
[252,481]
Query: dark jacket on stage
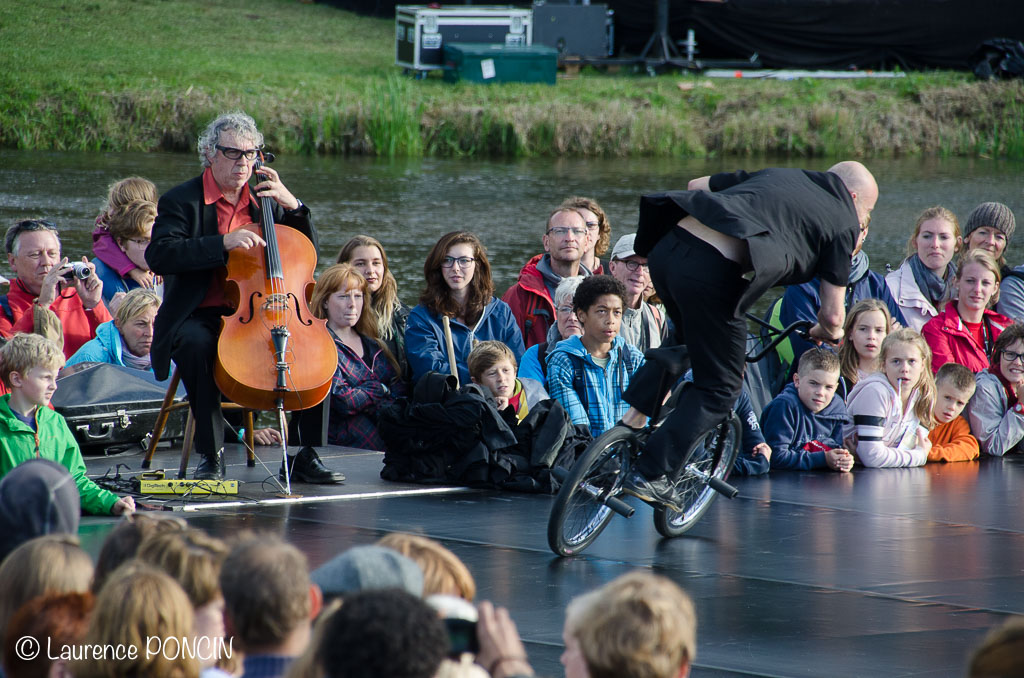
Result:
[186,249]
[797,224]
[799,437]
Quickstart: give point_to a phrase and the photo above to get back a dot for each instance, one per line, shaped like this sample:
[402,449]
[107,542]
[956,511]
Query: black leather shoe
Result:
[211,467]
[660,490]
[306,467]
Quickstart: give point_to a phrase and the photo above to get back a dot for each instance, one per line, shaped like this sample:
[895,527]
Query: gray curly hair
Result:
[236,121]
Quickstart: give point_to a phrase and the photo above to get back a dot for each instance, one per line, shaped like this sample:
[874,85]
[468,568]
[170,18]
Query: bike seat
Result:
[673,359]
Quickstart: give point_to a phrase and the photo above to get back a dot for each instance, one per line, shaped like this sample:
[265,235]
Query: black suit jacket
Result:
[186,249]
[797,224]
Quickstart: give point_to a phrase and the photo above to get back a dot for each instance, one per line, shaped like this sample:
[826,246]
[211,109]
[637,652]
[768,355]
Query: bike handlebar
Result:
[800,327]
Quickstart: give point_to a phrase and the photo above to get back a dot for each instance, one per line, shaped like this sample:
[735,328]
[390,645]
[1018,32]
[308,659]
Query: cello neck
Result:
[272,253]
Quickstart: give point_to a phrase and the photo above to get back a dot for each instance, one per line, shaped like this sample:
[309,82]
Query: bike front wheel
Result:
[580,514]
[711,456]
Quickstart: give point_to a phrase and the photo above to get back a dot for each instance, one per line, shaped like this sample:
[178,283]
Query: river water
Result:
[408,204]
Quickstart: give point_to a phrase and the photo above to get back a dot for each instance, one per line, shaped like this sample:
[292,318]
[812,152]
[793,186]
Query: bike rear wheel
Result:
[711,456]
[580,514]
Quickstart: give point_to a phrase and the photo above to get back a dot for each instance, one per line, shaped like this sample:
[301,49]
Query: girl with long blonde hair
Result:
[367,256]
[892,408]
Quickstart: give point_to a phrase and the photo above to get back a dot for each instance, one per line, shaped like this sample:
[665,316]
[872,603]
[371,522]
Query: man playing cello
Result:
[197,224]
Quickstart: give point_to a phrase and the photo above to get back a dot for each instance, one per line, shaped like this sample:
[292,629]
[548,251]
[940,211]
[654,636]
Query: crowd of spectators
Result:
[574,334]
[251,607]
[931,370]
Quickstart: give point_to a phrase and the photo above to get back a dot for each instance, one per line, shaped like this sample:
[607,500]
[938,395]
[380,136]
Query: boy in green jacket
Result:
[29,428]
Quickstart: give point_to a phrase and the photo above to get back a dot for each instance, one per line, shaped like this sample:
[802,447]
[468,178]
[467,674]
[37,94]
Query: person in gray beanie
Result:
[37,497]
[981,232]
[990,227]
[364,568]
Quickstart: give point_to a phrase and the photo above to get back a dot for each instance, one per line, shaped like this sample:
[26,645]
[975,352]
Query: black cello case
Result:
[109,406]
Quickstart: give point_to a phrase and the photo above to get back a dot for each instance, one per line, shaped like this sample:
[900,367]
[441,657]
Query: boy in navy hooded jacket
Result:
[803,425]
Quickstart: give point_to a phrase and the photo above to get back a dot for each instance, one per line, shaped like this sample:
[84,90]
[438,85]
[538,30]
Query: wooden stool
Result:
[169,406]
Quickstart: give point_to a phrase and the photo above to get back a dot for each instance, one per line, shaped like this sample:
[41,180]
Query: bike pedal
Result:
[620,507]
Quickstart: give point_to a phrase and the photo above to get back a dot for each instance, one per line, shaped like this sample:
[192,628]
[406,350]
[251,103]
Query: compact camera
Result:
[459,617]
[79,269]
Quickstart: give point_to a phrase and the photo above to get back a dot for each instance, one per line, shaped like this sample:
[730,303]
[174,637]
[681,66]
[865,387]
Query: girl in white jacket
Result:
[892,408]
[925,278]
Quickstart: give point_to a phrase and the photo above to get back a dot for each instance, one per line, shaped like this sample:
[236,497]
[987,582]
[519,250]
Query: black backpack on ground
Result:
[449,435]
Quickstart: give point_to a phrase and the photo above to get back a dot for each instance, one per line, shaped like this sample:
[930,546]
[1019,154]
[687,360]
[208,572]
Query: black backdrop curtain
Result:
[911,34]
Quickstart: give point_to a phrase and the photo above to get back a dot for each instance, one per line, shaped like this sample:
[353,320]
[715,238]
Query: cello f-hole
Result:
[298,310]
[252,308]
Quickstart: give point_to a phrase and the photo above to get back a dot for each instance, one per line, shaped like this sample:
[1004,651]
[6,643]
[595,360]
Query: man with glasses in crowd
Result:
[643,325]
[197,224]
[44,281]
[599,230]
[530,298]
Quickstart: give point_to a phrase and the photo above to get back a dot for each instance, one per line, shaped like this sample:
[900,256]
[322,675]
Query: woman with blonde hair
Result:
[127,339]
[443,572]
[367,256]
[967,329]
[925,277]
[142,608]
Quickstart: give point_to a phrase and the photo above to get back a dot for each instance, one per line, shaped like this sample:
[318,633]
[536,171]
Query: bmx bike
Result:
[591,489]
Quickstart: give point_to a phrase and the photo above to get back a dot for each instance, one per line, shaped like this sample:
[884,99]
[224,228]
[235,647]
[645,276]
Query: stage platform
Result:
[882,572]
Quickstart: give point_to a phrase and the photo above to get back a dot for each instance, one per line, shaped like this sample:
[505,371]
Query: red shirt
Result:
[77,324]
[229,218]
[977,330]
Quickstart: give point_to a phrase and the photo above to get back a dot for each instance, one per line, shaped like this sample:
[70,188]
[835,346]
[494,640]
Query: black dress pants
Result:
[195,353]
[700,289]
[308,428]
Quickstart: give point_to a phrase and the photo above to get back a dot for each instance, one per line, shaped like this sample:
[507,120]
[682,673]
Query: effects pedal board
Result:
[155,483]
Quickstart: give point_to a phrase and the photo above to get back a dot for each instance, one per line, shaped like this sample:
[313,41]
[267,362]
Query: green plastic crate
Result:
[484,63]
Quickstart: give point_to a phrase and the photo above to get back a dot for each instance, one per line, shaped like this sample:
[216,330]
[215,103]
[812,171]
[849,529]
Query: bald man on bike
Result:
[713,250]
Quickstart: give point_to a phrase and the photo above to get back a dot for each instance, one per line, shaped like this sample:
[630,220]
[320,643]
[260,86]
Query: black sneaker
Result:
[306,467]
[661,490]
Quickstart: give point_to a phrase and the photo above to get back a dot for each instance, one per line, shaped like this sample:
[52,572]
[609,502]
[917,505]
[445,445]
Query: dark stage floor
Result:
[878,573]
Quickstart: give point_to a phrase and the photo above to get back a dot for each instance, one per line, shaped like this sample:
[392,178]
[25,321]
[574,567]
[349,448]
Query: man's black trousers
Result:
[700,289]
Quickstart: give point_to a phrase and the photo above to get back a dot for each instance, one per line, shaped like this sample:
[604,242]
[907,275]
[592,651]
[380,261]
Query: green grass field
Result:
[148,74]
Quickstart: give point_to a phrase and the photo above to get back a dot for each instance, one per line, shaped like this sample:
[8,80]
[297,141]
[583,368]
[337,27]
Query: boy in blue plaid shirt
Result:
[589,374]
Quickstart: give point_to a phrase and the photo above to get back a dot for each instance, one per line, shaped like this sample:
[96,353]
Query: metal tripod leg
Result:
[282,424]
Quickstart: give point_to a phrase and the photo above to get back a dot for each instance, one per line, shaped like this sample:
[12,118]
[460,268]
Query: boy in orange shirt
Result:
[951,438]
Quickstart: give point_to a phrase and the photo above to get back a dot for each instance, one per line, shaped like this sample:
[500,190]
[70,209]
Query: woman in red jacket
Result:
[966,330]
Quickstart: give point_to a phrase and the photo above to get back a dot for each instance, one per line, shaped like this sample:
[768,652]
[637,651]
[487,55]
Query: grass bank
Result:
[148,74]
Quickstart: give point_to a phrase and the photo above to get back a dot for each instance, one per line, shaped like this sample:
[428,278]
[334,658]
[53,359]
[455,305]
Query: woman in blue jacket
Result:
[458,286]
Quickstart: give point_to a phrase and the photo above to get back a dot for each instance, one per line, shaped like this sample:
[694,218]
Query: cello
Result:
[257,353]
